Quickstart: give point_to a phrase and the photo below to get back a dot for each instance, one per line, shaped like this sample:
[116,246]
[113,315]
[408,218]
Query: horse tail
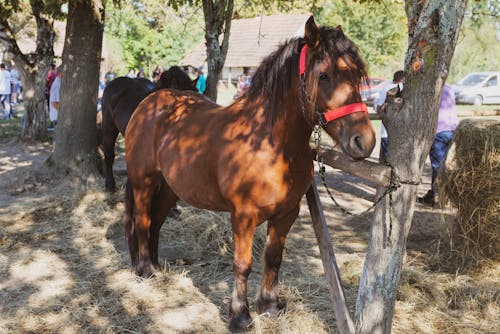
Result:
[130,235]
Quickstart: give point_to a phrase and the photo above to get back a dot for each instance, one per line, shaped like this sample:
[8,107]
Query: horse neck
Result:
[292,129]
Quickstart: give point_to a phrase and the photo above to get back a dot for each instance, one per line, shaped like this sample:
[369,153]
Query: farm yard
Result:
[65,267]
[251,86]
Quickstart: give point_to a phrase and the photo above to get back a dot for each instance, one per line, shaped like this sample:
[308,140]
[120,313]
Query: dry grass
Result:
[64,268]
[471,182]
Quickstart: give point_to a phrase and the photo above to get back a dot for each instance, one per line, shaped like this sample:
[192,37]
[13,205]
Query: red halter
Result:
[334,114]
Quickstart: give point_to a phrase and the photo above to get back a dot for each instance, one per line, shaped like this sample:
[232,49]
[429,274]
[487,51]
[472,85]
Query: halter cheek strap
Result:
[330,115]
[302,60]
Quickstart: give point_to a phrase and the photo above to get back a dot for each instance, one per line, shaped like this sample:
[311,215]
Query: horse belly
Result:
[266,186]
[191,177]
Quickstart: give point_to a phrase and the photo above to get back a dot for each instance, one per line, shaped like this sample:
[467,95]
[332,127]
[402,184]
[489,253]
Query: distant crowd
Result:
[196,74]
[11,87]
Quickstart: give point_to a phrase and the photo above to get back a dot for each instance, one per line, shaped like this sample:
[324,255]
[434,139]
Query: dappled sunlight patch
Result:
[170,300]
[44,274]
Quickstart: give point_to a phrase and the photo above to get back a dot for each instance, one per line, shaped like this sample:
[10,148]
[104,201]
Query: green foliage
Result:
[151,34]
[378,28]
[481,9]
[477,49]
[253,8]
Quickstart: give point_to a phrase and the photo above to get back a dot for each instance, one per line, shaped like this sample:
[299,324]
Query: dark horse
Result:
[119,100]
[251,158]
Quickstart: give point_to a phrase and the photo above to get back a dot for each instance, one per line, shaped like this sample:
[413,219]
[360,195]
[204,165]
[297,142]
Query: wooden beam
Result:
[345,323]
[368,170]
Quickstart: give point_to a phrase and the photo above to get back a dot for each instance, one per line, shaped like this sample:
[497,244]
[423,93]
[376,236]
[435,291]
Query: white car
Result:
[478,88]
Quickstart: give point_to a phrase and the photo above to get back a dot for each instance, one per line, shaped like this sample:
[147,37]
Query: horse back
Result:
[120,98]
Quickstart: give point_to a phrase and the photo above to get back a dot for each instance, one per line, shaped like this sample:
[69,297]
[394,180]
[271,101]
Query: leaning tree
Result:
[16,18]
[433,28]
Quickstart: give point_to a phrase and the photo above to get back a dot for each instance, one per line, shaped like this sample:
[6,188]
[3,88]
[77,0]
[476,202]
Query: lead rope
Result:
[394,183]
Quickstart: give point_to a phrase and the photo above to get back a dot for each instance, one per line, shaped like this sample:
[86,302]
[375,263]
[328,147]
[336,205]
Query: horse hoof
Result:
[270,308]
[110,187]
[241,323]
[145,270]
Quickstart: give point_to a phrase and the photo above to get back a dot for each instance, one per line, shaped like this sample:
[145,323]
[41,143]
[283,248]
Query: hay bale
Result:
[470,179]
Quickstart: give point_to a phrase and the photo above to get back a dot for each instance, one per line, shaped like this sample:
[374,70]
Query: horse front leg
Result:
[109,135]
[243,225]
[277,230]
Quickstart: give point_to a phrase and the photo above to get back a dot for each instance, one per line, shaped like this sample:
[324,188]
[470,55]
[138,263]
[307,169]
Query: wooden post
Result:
[368,170]
[345,323]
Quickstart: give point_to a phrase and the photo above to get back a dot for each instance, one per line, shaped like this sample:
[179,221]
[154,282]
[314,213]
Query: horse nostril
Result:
[358,141]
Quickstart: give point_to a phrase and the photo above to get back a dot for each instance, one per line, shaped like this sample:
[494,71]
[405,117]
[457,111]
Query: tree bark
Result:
[433,30]
[76,137]
[33,69]
[218,16]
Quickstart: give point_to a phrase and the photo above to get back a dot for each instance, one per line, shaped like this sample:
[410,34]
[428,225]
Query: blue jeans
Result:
[384,142]
[439,148]
[5,103]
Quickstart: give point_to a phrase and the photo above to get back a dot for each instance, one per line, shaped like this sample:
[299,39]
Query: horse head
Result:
[331,70]
[175,77]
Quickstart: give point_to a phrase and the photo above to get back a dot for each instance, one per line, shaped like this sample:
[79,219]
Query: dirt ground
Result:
[64,266]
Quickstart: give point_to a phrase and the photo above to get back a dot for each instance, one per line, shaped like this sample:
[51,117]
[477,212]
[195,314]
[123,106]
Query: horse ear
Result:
[311,33]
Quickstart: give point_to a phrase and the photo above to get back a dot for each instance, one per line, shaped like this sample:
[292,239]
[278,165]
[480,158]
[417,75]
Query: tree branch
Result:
[8,39]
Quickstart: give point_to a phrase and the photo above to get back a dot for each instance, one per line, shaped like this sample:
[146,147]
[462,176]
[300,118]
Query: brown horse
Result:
[251,158]
[119,100]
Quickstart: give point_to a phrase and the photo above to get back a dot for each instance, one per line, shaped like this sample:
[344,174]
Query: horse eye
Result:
[323,77]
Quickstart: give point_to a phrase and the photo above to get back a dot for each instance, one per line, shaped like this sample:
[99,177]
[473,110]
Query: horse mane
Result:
[175,77]
[272,81]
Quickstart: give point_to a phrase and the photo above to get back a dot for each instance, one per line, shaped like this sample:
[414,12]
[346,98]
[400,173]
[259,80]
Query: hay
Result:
[65,268]
[471,181]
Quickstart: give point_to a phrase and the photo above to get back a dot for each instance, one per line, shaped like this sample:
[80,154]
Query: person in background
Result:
[156,73]
[51,76]
[54,98]
[5,90]
[242,86]
[201,82]
[109,76]
[140,73]
[397,80]
[446,125]
[131,73]
[16,85]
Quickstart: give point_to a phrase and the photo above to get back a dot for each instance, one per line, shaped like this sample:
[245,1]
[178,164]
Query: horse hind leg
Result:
[109,135]
[163,201]
[277,229]
[143,194]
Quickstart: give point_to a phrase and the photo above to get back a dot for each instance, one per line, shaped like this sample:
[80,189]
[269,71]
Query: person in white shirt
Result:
[397,80]
[5,90]
[54,97]
[16,85]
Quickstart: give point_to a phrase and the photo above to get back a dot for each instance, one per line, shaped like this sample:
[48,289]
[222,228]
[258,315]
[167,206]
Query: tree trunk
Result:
[35,106]
[433,30]
[218,16]
[33,69]
[76,136]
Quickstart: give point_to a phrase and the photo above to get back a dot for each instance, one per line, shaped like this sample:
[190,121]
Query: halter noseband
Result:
[329,115]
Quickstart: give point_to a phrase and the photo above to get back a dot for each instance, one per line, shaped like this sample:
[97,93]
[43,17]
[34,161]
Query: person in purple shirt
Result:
[447,123]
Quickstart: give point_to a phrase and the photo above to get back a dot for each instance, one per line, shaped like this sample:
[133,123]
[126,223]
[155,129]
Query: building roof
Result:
[253,39]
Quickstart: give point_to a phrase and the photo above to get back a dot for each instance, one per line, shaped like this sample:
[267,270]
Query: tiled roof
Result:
[252,39]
